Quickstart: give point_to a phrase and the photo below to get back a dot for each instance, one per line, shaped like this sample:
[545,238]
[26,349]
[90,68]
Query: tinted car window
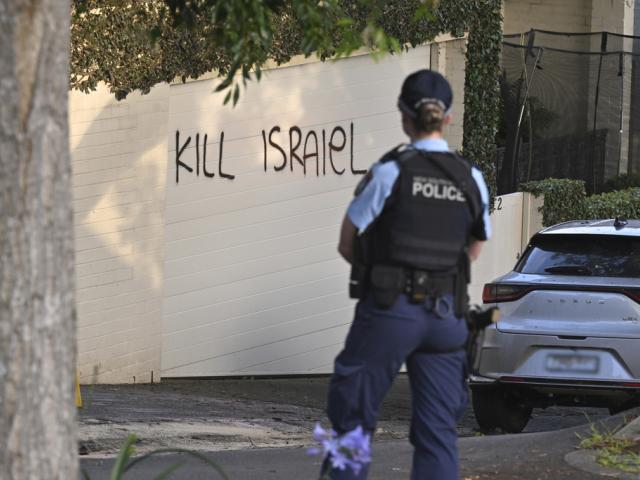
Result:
[597,255]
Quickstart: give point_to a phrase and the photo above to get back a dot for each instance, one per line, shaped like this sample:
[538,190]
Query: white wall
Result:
[119,172]
[213,276]
[253,282]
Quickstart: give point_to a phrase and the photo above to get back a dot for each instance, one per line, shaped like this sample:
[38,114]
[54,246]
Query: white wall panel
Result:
[119,152]
[252,280]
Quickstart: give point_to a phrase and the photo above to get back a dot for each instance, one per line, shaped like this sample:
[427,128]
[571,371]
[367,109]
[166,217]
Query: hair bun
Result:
[430,117]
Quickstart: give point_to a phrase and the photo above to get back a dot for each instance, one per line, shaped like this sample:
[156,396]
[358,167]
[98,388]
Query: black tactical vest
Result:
[426,221]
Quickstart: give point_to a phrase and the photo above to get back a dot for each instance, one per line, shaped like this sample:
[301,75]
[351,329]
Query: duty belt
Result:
[387,282]
[420,284]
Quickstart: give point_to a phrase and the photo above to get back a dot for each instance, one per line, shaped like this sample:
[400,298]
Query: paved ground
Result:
[246,413]
[258,429]
[535,456]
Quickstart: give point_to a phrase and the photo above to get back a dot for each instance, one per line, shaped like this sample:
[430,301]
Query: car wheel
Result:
[497,408]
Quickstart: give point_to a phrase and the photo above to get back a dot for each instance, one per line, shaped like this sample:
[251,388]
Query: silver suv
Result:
[569,332]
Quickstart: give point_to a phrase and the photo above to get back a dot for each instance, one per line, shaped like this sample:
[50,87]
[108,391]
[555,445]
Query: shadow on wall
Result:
[119,174]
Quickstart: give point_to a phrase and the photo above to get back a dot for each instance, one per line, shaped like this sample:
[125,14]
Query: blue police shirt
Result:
[366,207]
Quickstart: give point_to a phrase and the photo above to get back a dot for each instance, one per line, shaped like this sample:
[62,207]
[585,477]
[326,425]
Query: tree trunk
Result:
[37,312]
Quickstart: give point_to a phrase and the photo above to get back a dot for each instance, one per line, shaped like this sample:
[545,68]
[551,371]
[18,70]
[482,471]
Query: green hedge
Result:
[622,203]
[563,199]
[566,200]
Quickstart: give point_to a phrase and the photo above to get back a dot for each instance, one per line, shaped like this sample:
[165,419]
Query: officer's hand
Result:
[474,249]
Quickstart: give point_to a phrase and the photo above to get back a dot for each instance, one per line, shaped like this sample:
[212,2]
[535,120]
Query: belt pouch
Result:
[386,283]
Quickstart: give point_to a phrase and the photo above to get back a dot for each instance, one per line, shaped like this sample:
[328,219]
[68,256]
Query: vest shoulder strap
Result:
[392,154]
[396,153]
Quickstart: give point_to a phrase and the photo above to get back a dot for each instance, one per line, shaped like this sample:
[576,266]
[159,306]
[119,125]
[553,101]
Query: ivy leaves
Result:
[482,92]
[134,45]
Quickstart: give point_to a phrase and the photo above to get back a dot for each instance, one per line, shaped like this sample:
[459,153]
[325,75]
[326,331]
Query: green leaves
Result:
[482,93]
[124,462]
[133,46]
[563,199]
[126,451]
[173,468]
[566,200]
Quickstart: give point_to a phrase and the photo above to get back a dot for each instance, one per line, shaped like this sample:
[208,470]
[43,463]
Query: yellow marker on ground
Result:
[78,394]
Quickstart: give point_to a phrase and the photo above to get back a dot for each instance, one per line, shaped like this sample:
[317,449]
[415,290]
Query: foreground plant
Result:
[351,450]
[124,462]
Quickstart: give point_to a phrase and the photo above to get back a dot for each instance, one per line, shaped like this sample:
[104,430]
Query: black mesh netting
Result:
[571,108]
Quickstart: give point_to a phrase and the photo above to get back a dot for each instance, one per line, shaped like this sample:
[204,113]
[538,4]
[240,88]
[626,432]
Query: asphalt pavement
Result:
[260,429]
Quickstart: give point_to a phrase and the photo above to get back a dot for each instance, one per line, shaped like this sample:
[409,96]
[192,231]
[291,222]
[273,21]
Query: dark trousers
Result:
[378,342]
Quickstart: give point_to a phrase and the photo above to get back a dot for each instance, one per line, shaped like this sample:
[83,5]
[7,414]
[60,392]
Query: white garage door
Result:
[253,282]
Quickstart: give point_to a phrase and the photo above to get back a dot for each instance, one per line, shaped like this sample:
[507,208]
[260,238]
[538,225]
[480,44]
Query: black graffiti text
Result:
[200,157]
[319,152]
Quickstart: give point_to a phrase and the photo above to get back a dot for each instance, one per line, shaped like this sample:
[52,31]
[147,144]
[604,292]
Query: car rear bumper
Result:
[541,383]
[600,362]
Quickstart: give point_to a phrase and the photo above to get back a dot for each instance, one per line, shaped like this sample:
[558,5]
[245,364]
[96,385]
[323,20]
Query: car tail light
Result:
[632,293]
[505,292]
[502,292]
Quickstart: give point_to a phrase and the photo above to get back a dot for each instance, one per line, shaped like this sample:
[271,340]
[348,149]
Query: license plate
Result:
[572,363]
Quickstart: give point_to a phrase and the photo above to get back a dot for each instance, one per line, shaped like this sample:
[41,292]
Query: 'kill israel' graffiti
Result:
[316,152]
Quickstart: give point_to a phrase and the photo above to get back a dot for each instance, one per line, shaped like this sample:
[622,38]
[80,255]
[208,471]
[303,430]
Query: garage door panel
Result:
[258,267]
[250,360]
[207,263]
[295,190]
[257,339]
[269,231]
[321,357]
[307,205]
[255,321]
[213,314]
[251,285]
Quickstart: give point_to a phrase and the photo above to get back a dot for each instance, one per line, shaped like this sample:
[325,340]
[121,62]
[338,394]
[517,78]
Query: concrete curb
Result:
[585,459]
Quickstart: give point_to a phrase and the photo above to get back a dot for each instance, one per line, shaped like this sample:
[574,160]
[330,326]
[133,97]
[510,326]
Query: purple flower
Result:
[353,449]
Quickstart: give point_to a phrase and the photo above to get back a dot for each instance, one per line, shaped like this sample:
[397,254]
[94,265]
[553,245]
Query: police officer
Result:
[417,220]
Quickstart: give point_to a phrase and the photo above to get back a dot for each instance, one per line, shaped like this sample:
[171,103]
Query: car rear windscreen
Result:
[589,255]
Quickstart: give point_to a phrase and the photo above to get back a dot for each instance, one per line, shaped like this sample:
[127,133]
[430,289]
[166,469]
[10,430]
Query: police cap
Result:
[424,87]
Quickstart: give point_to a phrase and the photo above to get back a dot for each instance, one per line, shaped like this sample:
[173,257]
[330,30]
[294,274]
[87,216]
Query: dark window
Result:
[593,255]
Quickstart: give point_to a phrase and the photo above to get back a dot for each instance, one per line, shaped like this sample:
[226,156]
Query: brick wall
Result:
[119,159]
